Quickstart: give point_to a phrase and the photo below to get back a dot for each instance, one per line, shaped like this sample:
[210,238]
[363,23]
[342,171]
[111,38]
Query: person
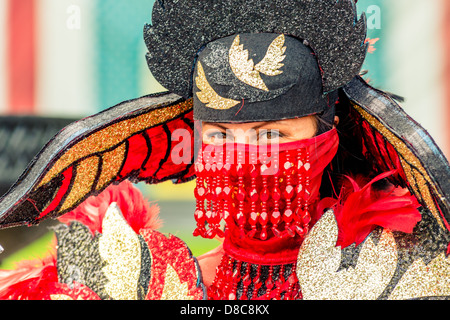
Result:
[318,185]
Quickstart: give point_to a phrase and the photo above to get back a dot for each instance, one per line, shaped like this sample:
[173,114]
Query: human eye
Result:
[215,136]
[269,136]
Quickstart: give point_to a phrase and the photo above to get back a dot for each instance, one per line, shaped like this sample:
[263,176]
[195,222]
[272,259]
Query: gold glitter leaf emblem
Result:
[120,247]
[422,280]
[319,261]
[174,289]
[207,95]
[245,69]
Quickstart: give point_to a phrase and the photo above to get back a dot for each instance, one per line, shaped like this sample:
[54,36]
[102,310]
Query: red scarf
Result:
[265,194]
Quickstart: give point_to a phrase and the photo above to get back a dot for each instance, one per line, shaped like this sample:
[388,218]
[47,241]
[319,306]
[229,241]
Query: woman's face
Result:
[282,131]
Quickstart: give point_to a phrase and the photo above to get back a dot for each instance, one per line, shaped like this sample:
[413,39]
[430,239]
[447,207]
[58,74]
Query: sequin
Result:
[246,71]
[319,261]
[424,280]
[120,248]
[174,289]
[79,260]
[84,179]
[110,167]
[208,96]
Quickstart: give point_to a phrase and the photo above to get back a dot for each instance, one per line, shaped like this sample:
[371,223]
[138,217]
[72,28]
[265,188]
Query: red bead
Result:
[237,274]
[226,168]
[253,218]
[290,231]
[265,195]
[240,218]
[288,215]
[247,280]
[263,218]
[257,285]
[263,234]
[215,217]
[269,284]
[210,234]
[288,192]
[226,215]
[306,218]
[254,195]
[199,167]
[199,232]
[292,279]
[200,193]
[276,217]
[276,194]
[253,171]
[199,216]
[301,232]
[241,194]
[240,170]
[276,232]
[226,191]
[252,233]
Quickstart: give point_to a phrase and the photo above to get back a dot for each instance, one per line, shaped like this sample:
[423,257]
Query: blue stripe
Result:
[377,26]
[120,49]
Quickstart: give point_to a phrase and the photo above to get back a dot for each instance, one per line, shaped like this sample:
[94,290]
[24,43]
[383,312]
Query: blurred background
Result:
[63,60]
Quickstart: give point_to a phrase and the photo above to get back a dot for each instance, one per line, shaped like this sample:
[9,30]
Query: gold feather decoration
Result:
[208,96]
[245,69]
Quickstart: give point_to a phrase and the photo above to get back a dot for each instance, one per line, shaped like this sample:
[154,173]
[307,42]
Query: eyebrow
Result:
[254,128]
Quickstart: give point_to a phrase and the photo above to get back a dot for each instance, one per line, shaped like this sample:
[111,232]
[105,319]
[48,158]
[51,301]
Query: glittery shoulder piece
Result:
[120,264]
[129,141]
[114,264]
[395,141]
[175,274]
[330,27]
[387,265]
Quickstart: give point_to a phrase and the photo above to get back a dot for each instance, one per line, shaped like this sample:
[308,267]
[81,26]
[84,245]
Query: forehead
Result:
[292,124]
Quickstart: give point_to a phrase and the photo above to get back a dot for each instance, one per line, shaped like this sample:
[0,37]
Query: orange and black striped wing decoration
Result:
[132,140]
[394,141]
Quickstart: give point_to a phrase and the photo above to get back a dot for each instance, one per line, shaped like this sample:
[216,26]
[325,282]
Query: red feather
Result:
[29,280]
[358,213]
[139,213]
[38,280]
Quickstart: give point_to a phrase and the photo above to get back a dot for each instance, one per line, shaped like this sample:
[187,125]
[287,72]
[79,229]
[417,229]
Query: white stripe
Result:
[66,73]
[415,58]
[3,63]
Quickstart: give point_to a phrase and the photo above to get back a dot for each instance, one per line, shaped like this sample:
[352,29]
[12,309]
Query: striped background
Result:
[77,57]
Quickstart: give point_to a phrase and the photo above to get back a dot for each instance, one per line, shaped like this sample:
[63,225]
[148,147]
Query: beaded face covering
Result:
[260,192]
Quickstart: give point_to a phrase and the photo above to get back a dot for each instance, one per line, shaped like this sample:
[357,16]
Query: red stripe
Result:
[67,178]
[21,56]
[446,73]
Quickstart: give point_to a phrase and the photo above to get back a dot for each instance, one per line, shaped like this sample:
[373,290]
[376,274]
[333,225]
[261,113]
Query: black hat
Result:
[256,60]
[257,77]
